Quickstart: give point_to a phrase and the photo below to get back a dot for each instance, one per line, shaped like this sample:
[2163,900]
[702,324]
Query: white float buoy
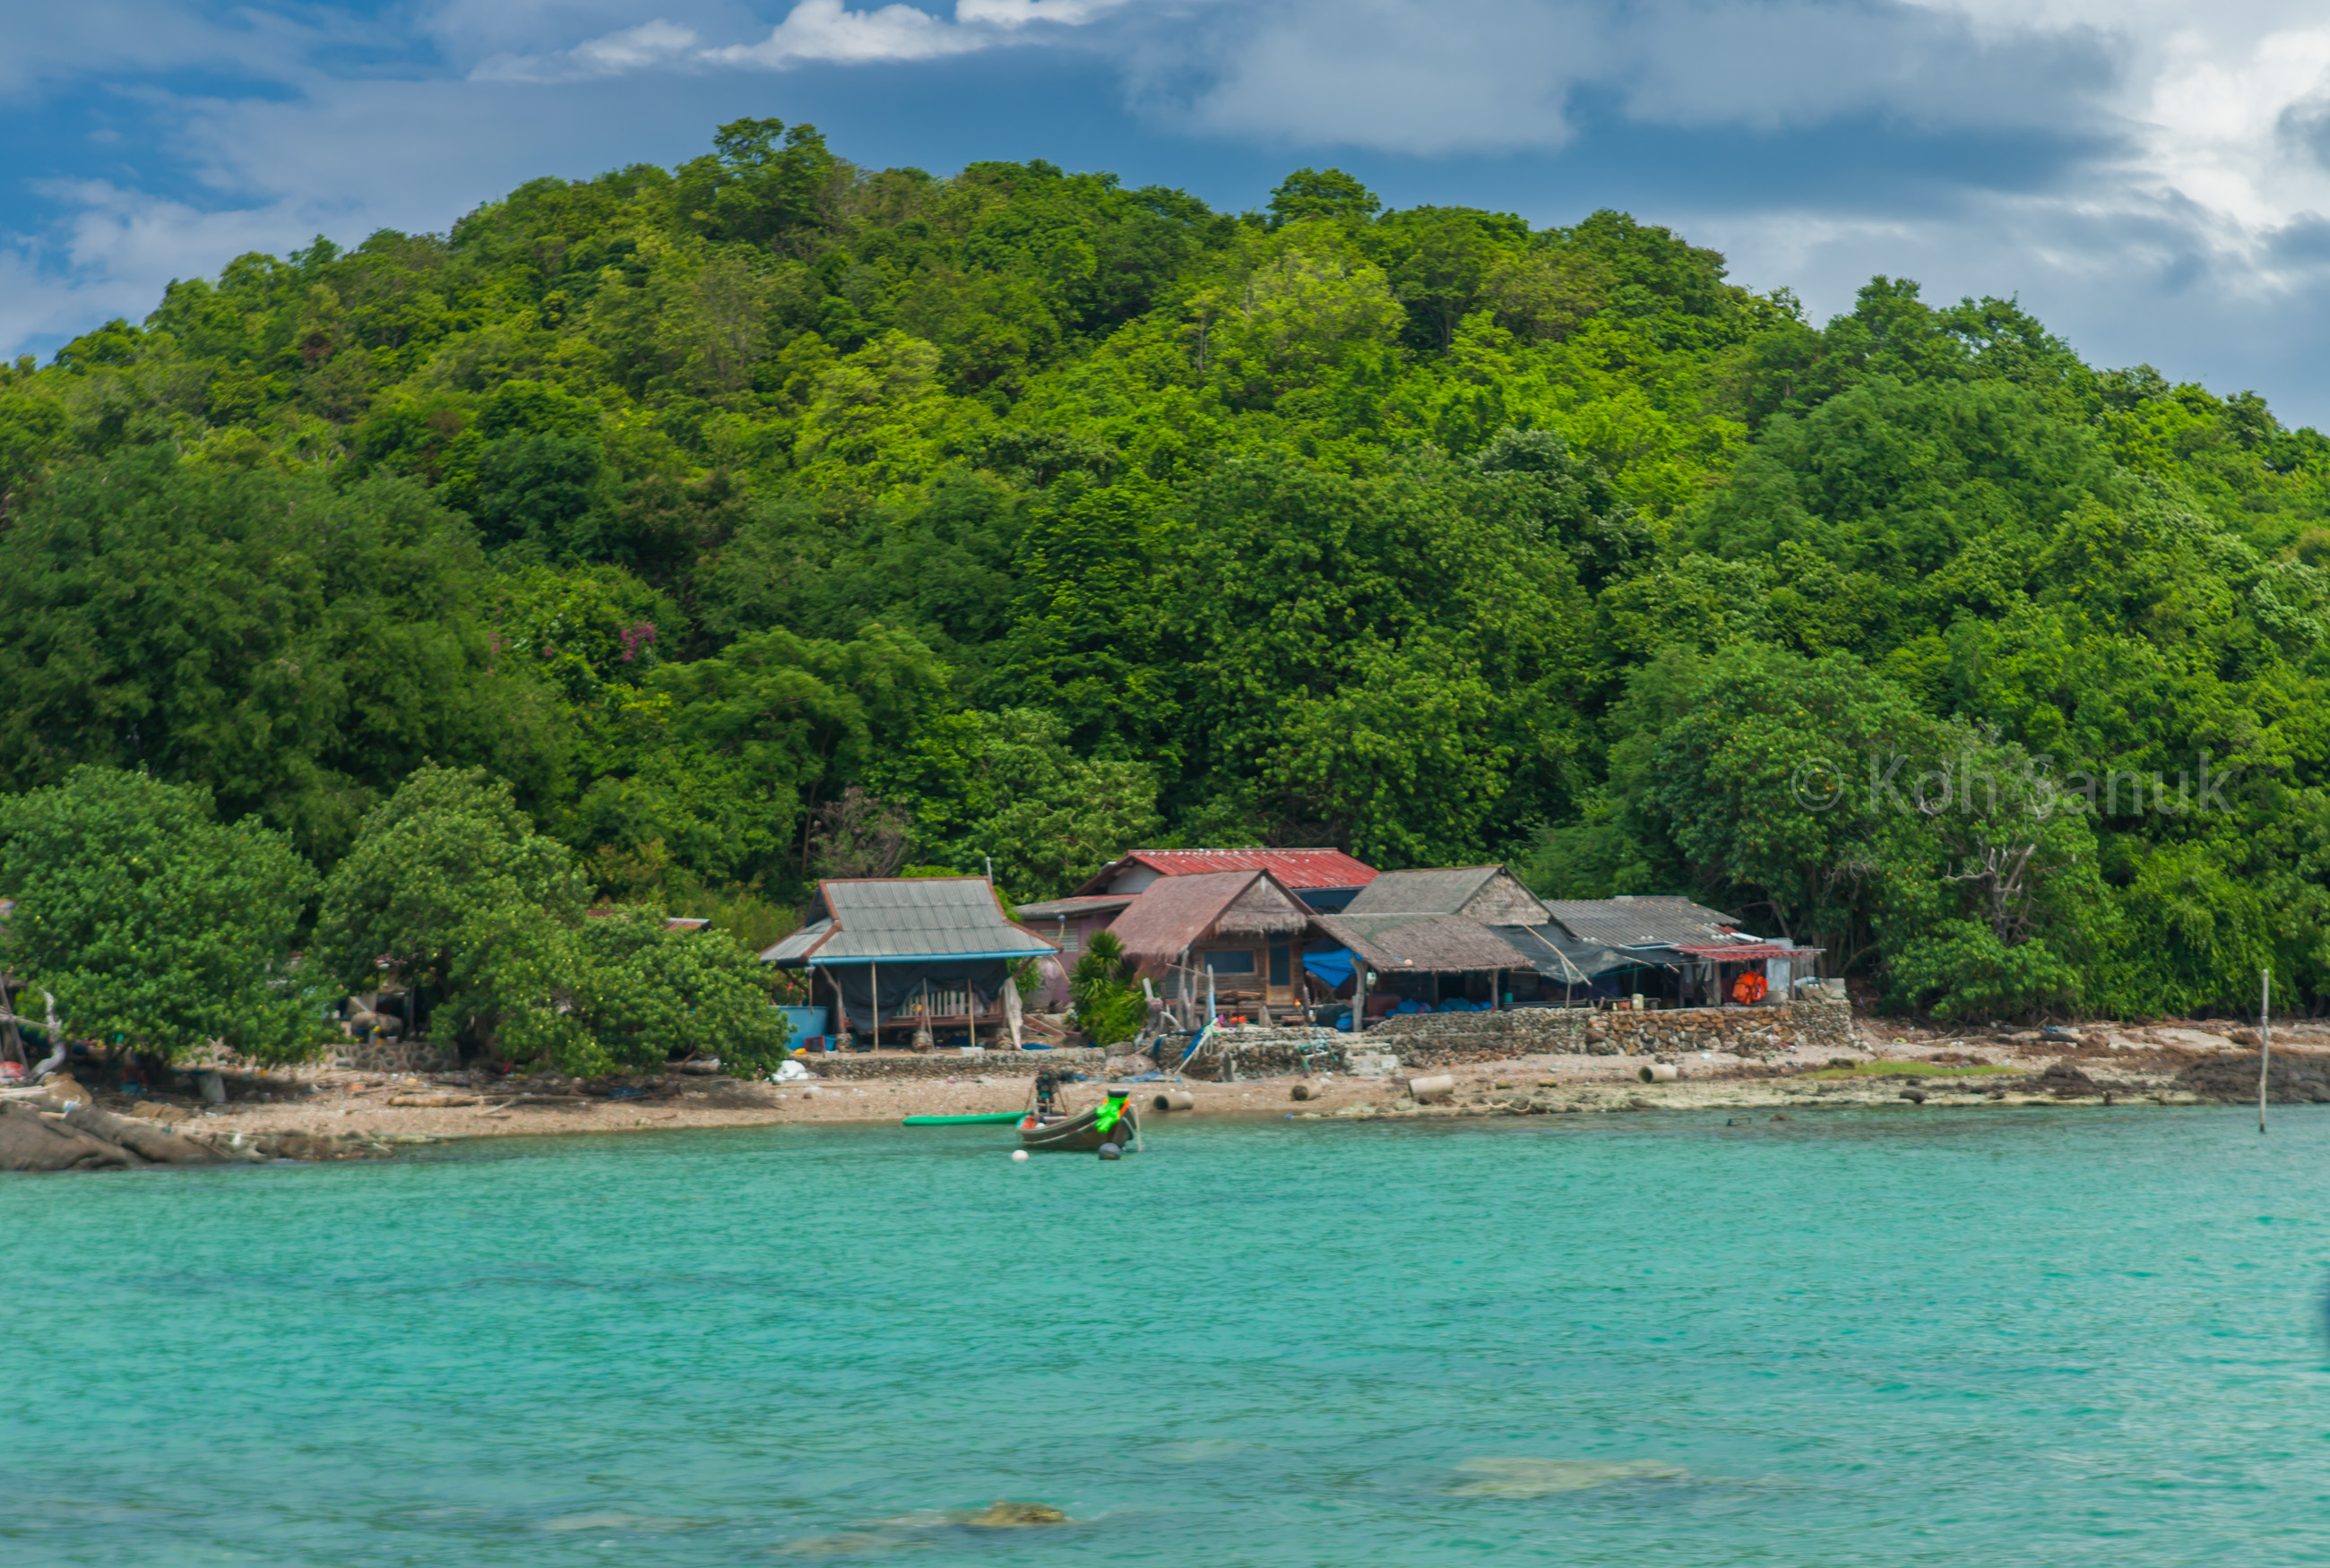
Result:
[1017,1153]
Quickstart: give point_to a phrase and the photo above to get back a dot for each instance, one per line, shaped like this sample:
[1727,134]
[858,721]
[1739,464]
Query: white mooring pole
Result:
[2265,1038]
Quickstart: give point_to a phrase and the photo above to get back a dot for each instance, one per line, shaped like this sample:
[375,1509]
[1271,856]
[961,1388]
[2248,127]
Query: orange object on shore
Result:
[1748,989]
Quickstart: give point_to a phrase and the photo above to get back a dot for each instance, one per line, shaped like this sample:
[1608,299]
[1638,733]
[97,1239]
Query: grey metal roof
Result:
[869,921]
[1069,907]
[1442,890]
[1639,922]
[797,944]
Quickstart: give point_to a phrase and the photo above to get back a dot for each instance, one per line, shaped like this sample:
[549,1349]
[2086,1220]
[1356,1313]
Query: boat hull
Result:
[1077,1134]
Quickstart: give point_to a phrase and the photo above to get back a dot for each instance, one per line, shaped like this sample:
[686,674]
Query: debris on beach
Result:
[1529,1477]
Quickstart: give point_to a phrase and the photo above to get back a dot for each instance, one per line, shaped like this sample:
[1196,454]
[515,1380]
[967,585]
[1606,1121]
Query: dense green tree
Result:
[1421,532]
[154,926]
[1007,788]
[295,650]
[449,887]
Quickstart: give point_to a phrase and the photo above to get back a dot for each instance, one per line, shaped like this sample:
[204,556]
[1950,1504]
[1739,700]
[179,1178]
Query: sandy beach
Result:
[332,1112]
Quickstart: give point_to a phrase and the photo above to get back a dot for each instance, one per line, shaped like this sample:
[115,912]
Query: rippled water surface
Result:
[2021,1338]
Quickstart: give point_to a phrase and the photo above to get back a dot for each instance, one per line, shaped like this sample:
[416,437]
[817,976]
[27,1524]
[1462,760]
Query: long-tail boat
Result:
[1049,1124]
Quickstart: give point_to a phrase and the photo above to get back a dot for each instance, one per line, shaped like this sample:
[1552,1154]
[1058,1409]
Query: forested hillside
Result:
[772,516]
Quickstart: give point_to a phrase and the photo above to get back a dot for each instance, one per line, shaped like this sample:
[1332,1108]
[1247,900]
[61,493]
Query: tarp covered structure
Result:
[1332,965]
[1562,958]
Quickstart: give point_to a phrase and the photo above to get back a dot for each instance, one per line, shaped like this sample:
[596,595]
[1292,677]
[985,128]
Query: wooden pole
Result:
[1358,995]
[878,1005]
[2265,1038]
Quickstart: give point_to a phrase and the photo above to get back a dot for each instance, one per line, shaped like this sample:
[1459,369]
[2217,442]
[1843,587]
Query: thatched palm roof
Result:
[1177,914]
[1421,943]
[1488,893]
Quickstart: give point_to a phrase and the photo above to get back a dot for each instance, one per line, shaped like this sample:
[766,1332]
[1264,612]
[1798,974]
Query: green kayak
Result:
[983,1117]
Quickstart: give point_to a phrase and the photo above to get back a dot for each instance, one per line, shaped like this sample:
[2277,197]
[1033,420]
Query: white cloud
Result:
[1436,76]
[827,31]
[116,247]
[1021,13]
[813,31]
[619,54]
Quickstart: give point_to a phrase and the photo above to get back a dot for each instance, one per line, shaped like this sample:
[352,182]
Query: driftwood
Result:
[147,1142]
[32,1141]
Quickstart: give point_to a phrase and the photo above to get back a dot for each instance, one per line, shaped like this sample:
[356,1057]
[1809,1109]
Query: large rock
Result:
[32,1141]
[62,1087]
[2292,1080]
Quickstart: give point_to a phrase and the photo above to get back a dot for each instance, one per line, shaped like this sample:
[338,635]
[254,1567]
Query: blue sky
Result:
[2152,179]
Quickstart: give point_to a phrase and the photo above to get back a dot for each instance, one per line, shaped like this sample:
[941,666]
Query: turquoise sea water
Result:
[2027,1338]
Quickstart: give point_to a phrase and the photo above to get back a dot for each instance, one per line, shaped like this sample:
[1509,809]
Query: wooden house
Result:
[1319,879]
[904,954]
[1238,932]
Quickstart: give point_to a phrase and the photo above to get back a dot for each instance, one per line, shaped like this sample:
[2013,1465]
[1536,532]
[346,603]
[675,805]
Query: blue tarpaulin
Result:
[1332,965]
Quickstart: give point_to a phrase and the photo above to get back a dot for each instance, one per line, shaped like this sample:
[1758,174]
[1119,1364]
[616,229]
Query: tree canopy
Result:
[1050,514]
[154,925]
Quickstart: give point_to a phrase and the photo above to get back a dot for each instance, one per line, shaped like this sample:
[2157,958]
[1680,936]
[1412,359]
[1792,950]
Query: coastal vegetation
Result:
[661,540]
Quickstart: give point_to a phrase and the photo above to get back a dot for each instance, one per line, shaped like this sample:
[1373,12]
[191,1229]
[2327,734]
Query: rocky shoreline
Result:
[345,1113]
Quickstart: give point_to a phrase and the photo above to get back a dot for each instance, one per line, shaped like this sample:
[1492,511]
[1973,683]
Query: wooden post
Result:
[2265,1038]
[877,1004]
[1496,990]
[1358,993]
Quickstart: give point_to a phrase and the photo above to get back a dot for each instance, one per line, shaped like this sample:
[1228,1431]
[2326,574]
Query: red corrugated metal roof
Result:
[1296,868]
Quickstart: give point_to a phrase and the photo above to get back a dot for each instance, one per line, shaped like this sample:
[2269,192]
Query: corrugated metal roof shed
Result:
[1069,907]
[874,920]
[799,944]
[1639,922]
[1744,952]
[1296,868]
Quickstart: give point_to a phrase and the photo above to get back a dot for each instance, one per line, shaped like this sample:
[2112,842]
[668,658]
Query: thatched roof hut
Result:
[1421,943]
[1178,914]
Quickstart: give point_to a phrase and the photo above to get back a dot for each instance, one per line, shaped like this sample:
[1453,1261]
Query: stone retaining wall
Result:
[1418,1039]
[944,1064]
[1441,1039]
[1268,1054]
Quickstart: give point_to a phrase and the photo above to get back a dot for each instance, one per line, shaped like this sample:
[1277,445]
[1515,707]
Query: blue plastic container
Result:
[806,1022]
